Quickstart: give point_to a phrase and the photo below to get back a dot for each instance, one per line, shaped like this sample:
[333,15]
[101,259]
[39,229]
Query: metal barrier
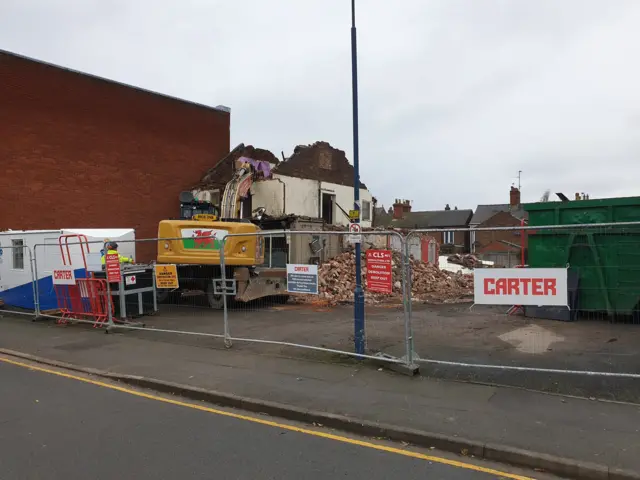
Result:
[426,319]
[594,336]
[303,299]
[86,300]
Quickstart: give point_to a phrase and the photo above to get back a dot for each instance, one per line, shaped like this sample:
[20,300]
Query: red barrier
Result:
[86,300]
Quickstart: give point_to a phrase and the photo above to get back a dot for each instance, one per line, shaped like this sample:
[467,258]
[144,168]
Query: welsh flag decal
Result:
[203,238]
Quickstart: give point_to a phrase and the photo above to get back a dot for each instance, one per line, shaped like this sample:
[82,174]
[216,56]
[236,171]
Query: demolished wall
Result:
[336,283]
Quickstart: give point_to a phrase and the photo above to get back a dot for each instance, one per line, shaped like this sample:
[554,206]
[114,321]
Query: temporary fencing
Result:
[506,324]
[289,292]
[302,294]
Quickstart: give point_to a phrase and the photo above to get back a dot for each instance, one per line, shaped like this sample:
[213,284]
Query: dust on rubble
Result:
[337,279]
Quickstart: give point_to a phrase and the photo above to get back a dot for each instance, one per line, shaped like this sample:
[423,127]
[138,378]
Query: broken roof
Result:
[485,212]
[222,172]
[319,161]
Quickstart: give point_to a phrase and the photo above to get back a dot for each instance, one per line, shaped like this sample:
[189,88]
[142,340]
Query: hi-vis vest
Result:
[122,258]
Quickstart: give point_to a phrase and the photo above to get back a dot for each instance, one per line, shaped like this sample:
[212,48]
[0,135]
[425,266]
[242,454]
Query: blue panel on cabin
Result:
[22,295]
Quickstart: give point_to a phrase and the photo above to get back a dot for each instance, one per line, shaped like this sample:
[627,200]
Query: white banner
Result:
[521,286]
[63,276]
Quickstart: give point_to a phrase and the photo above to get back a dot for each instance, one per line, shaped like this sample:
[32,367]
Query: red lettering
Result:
[514,288]
[520,286]
[501,286]
[301,269]
[550,286]
[489,284]
[537,286]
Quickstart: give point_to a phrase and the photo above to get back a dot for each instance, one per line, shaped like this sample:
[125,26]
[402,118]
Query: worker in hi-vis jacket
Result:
[112,248]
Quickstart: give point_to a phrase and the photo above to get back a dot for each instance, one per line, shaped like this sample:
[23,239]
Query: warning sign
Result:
[166,276]
[112,266]
[354,230]
[379,276]
[302,278]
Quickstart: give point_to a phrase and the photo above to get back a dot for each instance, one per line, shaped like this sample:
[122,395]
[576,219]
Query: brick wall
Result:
[77,151]
[489,241]
[460,239]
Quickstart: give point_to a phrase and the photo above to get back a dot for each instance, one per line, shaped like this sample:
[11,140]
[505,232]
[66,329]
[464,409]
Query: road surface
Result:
[58,427]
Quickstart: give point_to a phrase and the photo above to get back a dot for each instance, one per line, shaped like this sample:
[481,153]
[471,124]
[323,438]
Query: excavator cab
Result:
[190,207]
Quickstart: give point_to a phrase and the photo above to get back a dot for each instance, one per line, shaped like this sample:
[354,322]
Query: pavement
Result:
[448,332]
[588,433]
[56,428]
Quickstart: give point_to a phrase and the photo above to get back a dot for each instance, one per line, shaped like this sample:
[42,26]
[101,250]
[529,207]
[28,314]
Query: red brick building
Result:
[501,246]
[442,225]
[81,151]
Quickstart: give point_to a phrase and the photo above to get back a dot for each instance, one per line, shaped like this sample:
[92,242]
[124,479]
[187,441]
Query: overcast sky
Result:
[456,96]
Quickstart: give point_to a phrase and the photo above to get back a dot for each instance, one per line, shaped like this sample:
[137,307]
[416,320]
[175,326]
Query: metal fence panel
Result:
[551,348]
[269,311]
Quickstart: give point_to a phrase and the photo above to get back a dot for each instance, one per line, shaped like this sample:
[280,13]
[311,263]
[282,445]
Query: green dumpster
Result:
[607,259]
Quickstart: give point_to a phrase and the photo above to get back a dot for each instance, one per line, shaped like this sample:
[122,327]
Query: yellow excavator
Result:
[203,230]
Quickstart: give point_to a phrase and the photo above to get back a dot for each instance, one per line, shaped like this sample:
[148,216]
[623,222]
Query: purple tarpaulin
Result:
[259,165]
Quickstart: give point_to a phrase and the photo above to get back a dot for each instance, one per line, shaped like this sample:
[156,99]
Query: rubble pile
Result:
[336,282]
[468,260]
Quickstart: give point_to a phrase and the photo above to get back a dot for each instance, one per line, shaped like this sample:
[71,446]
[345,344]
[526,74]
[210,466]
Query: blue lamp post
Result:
[358,313]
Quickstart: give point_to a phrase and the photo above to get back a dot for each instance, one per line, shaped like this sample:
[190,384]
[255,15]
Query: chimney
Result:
[514,197]
[401,208]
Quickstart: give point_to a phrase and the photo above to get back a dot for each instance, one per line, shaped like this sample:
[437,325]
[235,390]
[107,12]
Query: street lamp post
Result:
[358,311]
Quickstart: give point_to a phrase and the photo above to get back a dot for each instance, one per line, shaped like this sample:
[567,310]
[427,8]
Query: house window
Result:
[448,238]
[18,254]
[366,211]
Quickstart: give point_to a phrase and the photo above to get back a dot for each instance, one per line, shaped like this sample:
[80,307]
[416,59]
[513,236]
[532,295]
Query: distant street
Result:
[58,428]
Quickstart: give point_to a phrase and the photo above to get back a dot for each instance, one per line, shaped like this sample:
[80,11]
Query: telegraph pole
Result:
[358,294]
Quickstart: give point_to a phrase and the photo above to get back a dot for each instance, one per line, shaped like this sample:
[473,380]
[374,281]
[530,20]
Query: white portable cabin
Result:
[16,280]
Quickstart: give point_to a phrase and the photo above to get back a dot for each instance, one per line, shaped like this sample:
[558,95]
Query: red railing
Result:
[86,300]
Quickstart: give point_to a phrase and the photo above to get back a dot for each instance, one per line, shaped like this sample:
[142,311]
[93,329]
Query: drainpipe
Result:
[284,196]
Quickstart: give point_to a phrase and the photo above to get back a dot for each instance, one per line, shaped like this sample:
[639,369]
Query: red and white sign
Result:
[379,276]
[521,286]
[130,280]
[355,229]
[112,266]
[63,276]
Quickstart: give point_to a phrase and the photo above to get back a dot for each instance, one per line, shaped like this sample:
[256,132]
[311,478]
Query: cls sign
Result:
[379,254]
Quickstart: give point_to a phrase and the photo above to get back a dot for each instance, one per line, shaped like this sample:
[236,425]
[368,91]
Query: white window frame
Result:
[17,250]
[366,211]
[449,238]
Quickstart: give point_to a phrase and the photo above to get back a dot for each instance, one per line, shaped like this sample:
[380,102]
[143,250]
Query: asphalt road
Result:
[52,427]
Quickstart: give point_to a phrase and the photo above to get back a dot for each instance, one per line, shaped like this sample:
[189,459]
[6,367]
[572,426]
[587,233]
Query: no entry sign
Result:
[379,275]
[521,286]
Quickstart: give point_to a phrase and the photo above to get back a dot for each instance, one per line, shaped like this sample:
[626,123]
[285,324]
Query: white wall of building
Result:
[344,198]
[299,196]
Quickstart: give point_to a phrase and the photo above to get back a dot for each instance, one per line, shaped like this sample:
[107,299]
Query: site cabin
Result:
[16,280]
